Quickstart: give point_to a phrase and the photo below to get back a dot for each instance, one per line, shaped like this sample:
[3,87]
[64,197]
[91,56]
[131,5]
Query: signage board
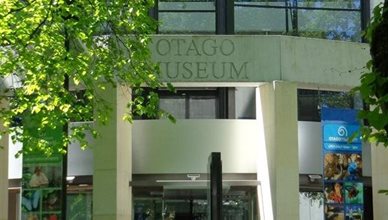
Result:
[342,164]
[41,187]
[42,176]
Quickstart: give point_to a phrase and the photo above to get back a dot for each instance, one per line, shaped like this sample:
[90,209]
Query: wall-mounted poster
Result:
[41,187]
[42,175]
[342,164]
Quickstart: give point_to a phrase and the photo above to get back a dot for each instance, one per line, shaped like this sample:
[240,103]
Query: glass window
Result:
[191,104]
[332,25]
[79,206]
[328,19]
[186,23]
[266,20]
[174,105]
[238,204]
[311,205]
[203,107]
[260,17]
[186,16]
[311,101]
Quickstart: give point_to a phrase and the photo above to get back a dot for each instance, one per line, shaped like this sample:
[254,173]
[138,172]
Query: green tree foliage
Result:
[374,83]
[90,44]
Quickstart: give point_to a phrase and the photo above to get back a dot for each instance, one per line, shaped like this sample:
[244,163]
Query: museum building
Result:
[251,78]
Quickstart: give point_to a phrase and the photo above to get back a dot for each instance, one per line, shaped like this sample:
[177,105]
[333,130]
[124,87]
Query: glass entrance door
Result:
[239,203]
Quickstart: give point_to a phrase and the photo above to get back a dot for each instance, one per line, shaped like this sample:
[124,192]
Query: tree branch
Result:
[38,27]
[18,9]
[42,22]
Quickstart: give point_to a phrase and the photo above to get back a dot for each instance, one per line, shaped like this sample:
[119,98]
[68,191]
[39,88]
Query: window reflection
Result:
[186,16]
[327,19]
[310,102]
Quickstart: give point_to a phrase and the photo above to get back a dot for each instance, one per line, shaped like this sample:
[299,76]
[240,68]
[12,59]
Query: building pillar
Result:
[112,195]
[379,155]
[277,115]
[3,175]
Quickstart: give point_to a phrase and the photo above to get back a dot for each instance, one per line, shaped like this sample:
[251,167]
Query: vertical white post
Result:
[3,174]
[277,114]
[112,195]
[379,155]
[265,169]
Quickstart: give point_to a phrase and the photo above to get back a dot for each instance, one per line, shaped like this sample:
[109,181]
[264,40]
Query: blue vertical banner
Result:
[342,164]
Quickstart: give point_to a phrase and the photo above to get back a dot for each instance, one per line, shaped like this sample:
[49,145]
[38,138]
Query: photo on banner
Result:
[354,212]
[334,193]
[354,193]
[334,212]
[342,166]
[41,187]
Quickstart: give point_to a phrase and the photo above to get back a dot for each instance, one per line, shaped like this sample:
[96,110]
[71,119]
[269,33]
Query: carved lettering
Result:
[179,53]
[219,74]
[227,47]
[187,66]
[161,49]
[209,47]
[178,46]
[169,71]
[201,70]
[193,48]
[241,73]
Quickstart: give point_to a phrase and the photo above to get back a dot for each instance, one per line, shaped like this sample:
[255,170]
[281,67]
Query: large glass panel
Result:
[187,22]
[262,2]
[310,102]
[186,5]
[254,20]
[174,105]
[239,203]
[311,205]
[333,25]
[341,4]
[186,16]
[79,206]
[327,19]
[191,103]
[148,209]
[203,108]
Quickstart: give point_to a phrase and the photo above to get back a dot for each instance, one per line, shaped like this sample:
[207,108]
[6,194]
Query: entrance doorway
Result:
[156,203]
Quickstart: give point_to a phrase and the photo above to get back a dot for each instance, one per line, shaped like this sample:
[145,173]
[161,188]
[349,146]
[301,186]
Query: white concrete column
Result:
[3,176]
[277,114]
[379,155]
[112,196]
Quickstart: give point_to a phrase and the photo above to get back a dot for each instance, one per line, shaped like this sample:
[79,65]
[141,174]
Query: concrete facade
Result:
[246,58]
[276,66]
